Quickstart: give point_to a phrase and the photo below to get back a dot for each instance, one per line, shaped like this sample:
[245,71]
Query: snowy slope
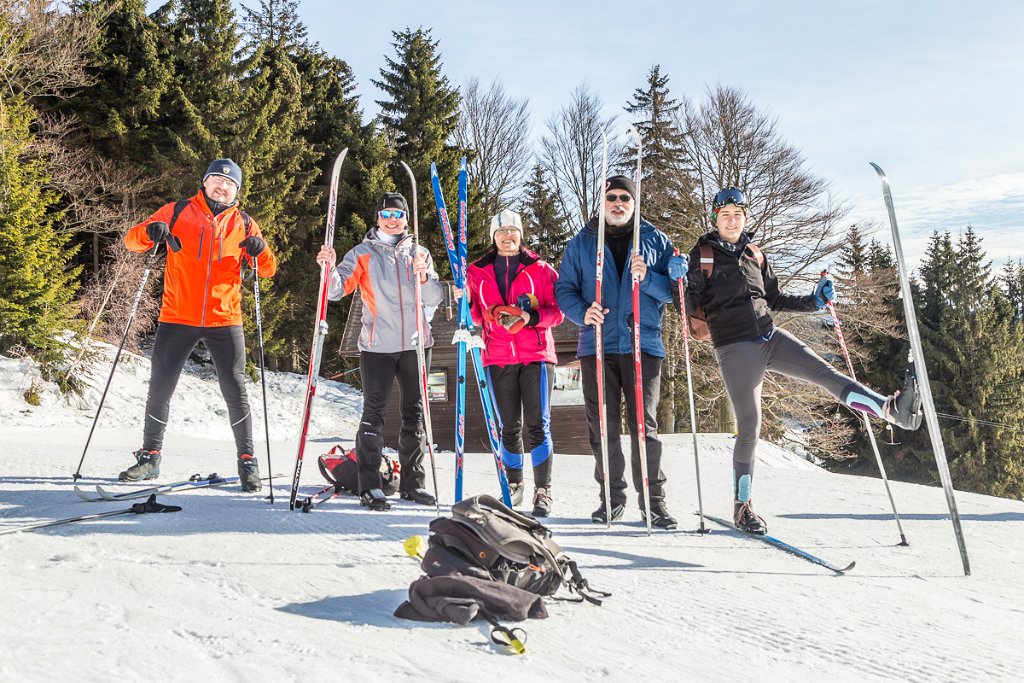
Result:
[232,588]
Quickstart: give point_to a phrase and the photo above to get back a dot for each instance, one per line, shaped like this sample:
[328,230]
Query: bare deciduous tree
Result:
[730,143]
[572,153]
[497,128]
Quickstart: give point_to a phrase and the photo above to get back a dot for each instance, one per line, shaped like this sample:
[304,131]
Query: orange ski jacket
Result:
[202,282]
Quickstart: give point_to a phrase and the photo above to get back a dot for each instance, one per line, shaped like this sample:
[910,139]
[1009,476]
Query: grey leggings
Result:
[743,365]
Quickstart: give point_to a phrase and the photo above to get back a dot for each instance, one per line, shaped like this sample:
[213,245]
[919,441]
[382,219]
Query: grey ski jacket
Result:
[386,282]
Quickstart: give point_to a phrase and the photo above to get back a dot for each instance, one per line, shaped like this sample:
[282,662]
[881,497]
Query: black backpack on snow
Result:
[486,540]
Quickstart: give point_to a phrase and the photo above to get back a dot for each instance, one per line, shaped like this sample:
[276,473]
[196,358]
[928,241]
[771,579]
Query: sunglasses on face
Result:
[624,198]
[391,213]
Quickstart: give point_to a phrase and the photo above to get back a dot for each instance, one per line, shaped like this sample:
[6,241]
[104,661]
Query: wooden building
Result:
[568,416]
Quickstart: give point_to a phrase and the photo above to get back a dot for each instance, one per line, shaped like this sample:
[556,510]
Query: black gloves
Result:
[158,231]
[253,246]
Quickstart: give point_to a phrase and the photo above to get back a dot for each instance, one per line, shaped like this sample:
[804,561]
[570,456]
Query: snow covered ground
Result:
[232,588]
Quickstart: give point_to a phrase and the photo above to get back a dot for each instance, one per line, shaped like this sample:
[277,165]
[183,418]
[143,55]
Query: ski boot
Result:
[249,473]
[418,496]
[599,516]
[903,408]
[375,500]
[516,490]
[147,466]
[660,516]
[542,501]
[746,519]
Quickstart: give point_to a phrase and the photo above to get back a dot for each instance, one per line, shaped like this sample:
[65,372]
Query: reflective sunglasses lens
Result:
[392,213]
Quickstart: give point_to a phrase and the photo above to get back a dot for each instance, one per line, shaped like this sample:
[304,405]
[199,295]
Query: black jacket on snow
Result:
[737,298]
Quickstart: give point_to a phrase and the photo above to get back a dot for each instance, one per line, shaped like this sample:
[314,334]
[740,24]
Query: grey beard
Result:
[617,223]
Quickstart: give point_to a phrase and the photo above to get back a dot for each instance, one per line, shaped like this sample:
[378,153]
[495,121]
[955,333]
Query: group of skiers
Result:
[517,299]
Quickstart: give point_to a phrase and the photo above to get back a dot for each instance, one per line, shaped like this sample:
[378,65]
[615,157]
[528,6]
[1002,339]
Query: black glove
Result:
[253,246]
[158,231]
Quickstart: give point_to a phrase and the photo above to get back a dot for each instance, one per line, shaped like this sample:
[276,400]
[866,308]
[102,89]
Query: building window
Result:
[437,385]
[568,389]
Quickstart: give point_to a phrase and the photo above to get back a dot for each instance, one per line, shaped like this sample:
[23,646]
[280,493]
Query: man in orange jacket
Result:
[202,301]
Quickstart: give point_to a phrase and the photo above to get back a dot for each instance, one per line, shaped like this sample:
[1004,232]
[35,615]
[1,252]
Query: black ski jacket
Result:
[737,298]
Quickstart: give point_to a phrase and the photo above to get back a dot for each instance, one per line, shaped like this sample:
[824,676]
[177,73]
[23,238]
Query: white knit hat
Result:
[506,219]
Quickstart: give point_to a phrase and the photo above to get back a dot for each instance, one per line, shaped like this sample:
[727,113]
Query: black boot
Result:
[746,520]
[147,466]
[419,496]
[660,516]
[903,408]
[375,500]
[249,473]
[599,516]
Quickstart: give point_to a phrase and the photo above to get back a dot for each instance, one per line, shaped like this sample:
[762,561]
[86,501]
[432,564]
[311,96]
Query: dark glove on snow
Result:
[253,246]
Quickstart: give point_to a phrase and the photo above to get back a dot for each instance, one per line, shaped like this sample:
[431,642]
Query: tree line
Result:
[108,112]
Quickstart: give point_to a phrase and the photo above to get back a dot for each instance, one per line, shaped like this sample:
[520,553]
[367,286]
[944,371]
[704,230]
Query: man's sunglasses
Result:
[391,213]
[624,198]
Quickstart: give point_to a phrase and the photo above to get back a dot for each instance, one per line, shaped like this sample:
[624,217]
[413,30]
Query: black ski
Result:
[138,509]
[312,502]
[782,545]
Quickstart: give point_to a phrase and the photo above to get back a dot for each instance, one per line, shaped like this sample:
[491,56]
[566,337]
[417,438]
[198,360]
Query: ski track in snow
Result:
[232,588]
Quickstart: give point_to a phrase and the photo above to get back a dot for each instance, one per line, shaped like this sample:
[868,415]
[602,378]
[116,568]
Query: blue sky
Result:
[931,91]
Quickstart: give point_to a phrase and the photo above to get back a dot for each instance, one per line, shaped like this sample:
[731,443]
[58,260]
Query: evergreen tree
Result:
[547,230]
[36,286]
[975,359]
[275,159]
[112,115]
[420,113]
[128,79]
[667,187]
[333,123]
[200,112]
[1013,281]
[667,200]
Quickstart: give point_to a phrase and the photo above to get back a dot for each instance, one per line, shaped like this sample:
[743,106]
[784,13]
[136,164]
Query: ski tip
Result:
[845,569]
[879,171]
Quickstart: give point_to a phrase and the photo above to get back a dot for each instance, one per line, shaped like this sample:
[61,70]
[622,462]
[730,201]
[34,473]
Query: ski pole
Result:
[263,374]
[602,409]
[693,409]
[174,245]
[420,352]
[867,421]
[138,508]
[939,449]
[641,431]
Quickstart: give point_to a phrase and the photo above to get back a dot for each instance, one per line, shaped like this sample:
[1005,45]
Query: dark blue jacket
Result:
[577,286]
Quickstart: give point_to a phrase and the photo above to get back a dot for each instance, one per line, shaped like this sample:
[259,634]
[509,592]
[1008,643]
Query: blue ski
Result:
[782,545]
[465,339]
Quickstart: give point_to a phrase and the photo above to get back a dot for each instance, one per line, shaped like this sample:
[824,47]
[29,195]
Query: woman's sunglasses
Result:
[391,213]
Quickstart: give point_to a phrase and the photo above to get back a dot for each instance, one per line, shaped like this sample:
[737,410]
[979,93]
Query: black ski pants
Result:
[379,372]
[522,393]
[619,384]
[173,345]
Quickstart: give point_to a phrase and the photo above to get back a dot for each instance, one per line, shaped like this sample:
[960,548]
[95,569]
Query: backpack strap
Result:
[758,255]
[246,221]
[707,260]
[179,206]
